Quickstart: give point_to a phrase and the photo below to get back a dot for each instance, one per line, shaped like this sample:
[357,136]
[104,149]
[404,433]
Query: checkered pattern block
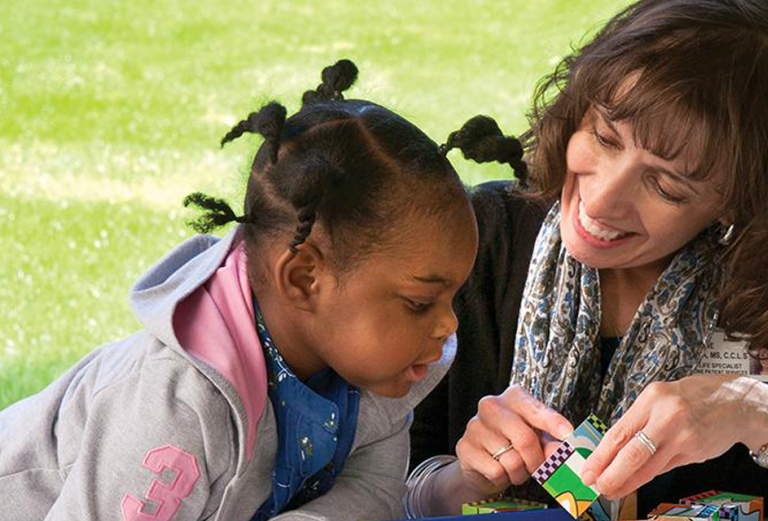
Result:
[552,463]
[598,423]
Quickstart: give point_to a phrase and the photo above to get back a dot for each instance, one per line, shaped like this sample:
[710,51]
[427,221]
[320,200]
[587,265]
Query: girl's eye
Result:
[665,194]
[416,306]
[602,140]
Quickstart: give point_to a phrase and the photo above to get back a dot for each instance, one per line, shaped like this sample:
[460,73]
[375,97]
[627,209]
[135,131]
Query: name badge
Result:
[723,356]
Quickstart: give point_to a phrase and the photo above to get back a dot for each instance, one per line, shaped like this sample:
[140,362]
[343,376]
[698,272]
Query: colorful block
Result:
[676,512]
[494,506]
[602,510]
[560,474]
[735,507]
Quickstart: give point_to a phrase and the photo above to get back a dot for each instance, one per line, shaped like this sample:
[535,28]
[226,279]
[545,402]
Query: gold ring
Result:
[506,448]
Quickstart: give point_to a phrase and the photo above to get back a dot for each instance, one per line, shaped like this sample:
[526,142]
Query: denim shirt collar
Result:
[316,424]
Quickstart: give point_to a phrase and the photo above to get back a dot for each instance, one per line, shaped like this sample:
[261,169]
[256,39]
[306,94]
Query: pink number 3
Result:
[167,497]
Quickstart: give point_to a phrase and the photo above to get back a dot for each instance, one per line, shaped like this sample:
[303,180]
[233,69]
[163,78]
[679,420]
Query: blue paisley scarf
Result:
[557,354]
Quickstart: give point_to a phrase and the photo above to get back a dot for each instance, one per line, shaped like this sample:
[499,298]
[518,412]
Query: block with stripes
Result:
[560,474]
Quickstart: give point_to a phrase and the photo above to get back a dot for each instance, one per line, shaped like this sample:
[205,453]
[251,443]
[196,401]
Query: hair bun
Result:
[336,79]
[340,76]
[481,140]
[268,122]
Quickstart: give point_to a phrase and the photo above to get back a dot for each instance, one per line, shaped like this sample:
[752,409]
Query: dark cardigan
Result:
[487,307]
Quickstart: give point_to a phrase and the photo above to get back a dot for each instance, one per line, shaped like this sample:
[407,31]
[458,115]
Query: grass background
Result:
[110,112]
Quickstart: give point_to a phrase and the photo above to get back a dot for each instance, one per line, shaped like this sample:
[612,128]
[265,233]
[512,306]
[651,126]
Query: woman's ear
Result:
[727,218]
[299,276]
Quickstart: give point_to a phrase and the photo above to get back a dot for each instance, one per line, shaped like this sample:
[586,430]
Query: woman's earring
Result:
[725,240]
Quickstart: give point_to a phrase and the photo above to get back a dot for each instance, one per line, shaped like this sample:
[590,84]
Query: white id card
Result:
[732,357]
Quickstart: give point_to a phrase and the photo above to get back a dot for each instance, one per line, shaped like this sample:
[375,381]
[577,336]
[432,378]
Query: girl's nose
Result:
[446,325]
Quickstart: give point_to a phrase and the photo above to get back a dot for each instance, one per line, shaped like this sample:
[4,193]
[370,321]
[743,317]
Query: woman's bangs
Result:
[673,121]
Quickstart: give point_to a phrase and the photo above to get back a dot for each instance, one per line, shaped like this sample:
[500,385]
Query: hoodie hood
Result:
[156,294]
[197,301]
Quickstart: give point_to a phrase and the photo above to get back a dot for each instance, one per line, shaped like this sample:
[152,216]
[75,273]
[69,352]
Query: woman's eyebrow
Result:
[608,123]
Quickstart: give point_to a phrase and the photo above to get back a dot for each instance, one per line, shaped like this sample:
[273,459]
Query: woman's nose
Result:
[611,193]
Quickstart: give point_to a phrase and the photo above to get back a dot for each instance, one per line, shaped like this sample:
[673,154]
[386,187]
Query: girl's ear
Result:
[299,276]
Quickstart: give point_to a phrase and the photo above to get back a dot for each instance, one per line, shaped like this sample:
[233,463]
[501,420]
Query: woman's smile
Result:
[595,233]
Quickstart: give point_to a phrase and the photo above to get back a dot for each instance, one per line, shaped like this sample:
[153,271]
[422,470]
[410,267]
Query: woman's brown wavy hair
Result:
[684,73]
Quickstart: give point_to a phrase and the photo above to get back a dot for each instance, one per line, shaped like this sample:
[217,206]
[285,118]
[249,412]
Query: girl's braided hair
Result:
[481,140]
[351,166]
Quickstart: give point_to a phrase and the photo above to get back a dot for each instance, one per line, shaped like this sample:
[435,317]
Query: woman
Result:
[643,227]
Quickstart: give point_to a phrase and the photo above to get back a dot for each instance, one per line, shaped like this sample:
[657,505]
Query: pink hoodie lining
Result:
[215,324]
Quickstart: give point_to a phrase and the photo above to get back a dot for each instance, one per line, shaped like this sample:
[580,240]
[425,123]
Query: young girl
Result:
[278,366]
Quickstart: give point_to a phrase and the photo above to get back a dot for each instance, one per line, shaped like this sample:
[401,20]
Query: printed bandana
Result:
[557,354]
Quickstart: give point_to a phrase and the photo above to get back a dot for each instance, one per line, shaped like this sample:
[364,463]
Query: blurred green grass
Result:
[111,113]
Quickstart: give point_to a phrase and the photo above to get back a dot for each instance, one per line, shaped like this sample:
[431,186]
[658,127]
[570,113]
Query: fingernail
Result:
[588,478]
[564,431]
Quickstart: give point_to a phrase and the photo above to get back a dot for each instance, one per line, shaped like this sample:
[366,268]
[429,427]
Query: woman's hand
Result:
[513,416]
[688,421]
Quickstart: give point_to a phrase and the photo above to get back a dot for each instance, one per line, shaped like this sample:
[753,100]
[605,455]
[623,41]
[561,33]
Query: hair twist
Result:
[268,121]
[336,79]
[481,140]
[218,212]
[319,175]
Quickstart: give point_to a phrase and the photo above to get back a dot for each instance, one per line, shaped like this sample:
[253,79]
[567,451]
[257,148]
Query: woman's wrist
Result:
[755,435]
[448,490]
[419,494]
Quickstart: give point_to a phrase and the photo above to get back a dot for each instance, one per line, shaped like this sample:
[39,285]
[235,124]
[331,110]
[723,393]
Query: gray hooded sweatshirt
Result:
[143,430]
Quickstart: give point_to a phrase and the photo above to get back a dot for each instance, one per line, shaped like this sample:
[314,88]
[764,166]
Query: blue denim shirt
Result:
[316,423]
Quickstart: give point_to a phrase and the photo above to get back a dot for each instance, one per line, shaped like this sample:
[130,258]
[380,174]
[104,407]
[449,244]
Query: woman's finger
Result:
[618,436]
[618,482]
[476,448]
[550,444]
[514,429]
[474,458]
[513,464]
[537,414]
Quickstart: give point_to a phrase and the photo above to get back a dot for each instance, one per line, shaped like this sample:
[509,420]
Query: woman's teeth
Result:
[595,229]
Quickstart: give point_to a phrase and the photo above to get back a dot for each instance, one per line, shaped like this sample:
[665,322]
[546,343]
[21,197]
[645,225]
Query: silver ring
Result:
[643,437]
[506,448]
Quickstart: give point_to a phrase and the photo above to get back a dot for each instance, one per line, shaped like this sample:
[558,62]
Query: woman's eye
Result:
[602,140]
[665,194]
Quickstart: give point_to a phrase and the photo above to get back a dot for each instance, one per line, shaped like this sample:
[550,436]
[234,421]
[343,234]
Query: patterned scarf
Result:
[557,354]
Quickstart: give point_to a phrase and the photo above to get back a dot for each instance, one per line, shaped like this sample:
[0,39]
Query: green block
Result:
[566,480]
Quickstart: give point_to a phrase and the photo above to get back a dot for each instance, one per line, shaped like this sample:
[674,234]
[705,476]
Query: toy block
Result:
[735,507]
[560,474]
[678,512]
[494,506]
